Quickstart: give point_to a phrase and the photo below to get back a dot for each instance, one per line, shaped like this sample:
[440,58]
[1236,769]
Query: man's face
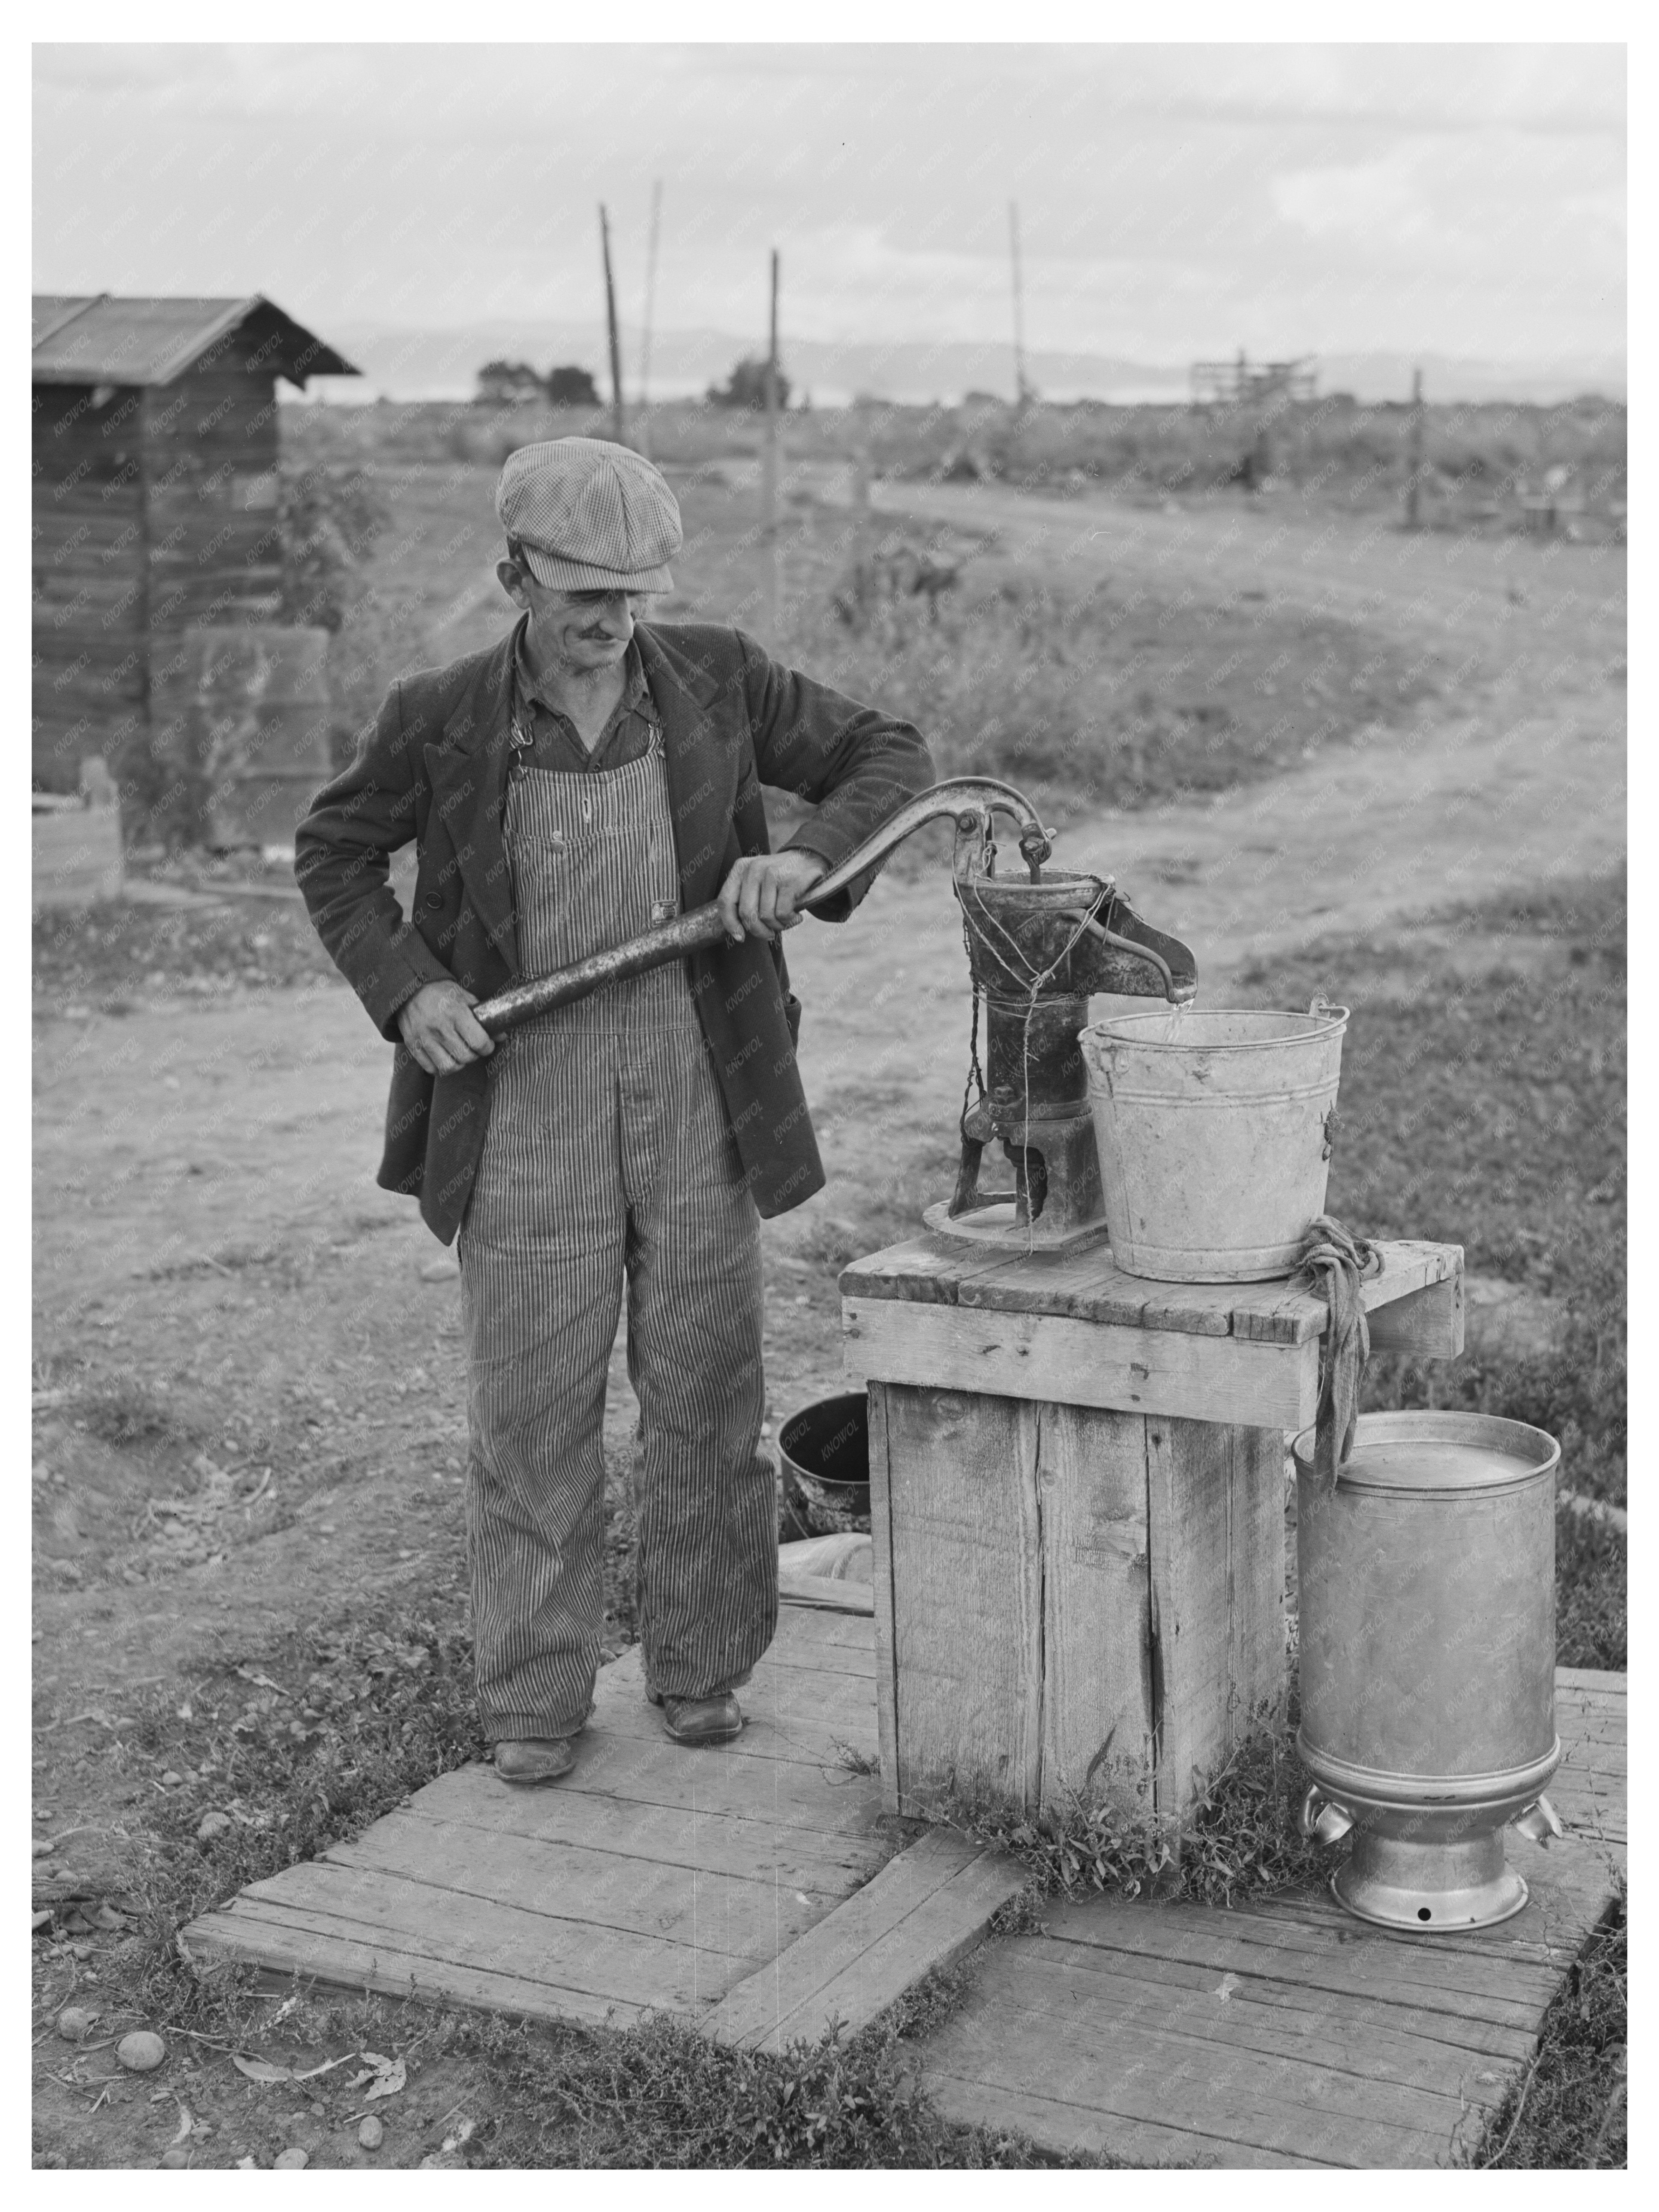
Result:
[582,631]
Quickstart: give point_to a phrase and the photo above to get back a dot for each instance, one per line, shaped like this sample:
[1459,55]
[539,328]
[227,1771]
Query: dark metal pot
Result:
[824,1451]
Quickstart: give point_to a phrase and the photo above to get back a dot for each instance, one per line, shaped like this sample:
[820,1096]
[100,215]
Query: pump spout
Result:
[1128,956]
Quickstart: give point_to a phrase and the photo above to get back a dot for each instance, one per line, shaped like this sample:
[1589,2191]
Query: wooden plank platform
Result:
[1073,1329]
[653,1878]
[756,1889]
[938,1269]
[1287,2034]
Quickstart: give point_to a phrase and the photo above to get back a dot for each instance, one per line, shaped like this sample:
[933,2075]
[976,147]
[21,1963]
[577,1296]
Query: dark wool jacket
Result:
[434,768]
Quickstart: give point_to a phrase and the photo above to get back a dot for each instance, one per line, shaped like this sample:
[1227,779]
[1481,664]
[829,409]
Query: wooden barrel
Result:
[259,726]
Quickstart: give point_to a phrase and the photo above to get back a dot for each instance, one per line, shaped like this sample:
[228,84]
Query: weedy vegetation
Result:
[1570,2107]
[1240,1839]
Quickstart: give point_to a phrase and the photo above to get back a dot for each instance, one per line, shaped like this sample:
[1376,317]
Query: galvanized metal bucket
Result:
[1427,1616]
[824,1455]
[1214,1133]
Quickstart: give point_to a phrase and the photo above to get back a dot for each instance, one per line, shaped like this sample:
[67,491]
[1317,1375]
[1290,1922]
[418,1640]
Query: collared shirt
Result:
[626,737]
[554,743]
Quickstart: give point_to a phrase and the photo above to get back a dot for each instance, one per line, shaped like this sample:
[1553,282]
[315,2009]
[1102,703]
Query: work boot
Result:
[535,1758]
[699,1720]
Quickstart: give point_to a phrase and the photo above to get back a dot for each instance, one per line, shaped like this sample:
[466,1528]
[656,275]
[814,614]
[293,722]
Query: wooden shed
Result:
[157,509]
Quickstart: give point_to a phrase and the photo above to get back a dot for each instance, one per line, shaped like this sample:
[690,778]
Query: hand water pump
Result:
[1037,943]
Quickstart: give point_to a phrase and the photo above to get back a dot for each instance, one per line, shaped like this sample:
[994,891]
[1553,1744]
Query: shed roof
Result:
[96,339]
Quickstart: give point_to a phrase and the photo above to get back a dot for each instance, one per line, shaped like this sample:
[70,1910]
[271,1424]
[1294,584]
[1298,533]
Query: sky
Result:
[1175,202]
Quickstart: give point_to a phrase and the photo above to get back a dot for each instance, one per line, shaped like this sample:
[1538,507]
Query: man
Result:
[585,779]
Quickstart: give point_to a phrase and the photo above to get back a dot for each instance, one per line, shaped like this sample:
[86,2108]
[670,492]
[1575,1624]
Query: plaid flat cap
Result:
[590,516]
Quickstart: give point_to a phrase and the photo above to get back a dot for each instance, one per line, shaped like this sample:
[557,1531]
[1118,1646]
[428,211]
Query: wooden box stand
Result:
[1076,1486]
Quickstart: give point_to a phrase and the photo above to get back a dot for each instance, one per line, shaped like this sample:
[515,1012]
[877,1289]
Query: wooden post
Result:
[650,304]
[1022,390]
[861,530]
[1414,476]
[769,469]
[617,417]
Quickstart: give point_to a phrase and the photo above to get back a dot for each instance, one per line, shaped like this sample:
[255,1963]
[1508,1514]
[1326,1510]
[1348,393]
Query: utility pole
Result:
[770,468]
[1022,390]
[617,423]
[1414,477]
[650,303]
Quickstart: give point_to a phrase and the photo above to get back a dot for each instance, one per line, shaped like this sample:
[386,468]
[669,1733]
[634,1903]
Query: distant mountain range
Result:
[443,364]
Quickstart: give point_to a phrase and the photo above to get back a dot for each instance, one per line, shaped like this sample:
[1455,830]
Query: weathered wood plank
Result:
[926,1269]
[965,1566]
[1283,2106]
[1590,1678]
[340,1957]
[593,1887]
[826,1659]
[1050,2120]
[1273,1312]
[1427,1324]
[1315,1955]
[825,1593]
[807,1629]
[804,1718]
[1089,1285]
[881,1528]
[923,1910]
[727,1779]
[1053,1982]
[784,1725]
[632,1968]
[1216,1547]
[1460,2037]
[689,1836]
[1097,1718]
[1591,1753]
[996,1353]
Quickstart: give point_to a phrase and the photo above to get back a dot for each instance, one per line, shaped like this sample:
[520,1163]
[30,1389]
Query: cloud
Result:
[1379,202]
[1172,199]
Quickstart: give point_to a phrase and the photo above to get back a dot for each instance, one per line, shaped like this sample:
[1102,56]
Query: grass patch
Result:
[661,2095]
[1113,697]
[1333,452]
[123,1410]
[284,1753]
[110,954]
[1103,695]
[1569,2109]
[1240,1839]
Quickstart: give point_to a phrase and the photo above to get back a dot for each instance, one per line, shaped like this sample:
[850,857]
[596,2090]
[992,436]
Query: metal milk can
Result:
[1428,1661]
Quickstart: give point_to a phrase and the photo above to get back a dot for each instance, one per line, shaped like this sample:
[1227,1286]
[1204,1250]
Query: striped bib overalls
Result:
[607,1157]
